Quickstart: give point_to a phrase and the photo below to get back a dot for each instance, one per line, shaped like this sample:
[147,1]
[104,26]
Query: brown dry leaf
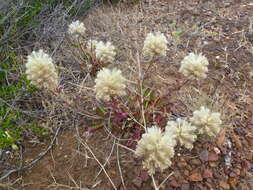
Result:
[221,138]
[237,141]
[195,177]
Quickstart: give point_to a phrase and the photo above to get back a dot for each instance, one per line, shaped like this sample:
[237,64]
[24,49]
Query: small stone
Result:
[247,165]
[137,181]
[212,156]
[181,164]
[195,177]
[237,141]
[207,173]
[233,182]
[144,175]
[216,150]
[204,156]
[221,138]
[232,174]
[186,173]
[174,183]
[213,164]
[224,185]
[185,186]
[237,172]
[195,162]
[209,186]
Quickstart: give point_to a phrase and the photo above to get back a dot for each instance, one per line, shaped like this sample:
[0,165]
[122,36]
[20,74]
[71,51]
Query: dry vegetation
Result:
[88,156]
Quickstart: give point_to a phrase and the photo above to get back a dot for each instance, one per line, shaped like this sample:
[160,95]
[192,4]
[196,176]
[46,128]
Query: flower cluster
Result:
[109,83]
[105,52]
[194,66]
[156,148]
[155,44]
[207,123]
[76,29]
[41,70]
[183,132]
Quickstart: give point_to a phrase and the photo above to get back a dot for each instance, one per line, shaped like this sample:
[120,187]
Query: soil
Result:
[221,30]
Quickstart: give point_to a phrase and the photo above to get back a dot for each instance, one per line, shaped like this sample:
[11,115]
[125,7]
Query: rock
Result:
[174,183]
[221,138]
[213,164]
[195,162]
[237,141]
[185,186]
[247,165]
[181,164]
[232,182]
[224,185]
[207,173]
[212,156]
[186,173]
[144,175]
[204,156]
[137,182]
[216,150]
[195,177]
[237,171]
[232,174]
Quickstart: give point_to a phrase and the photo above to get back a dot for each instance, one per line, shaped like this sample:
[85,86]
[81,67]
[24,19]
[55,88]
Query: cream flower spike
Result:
[41,70]
[76,29]
[156,148]
[105,52]
[194,66]
[207,122]
[109,83]
[155,44]
[183,132]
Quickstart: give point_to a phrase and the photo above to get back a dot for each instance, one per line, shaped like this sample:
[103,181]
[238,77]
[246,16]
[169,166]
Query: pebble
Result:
[174,183]
[181,164]
[213,164]
[224,185]
[185,186]
[137,181]
[186,173]
[207,173]
[195,162]
[204,155]
[212,156]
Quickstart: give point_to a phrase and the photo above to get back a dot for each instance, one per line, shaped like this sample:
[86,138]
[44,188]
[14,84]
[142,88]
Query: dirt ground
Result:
[221,30]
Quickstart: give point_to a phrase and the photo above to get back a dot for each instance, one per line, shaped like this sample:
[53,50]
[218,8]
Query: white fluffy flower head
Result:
[207,122]
[155,44]
[194,66]
[156,148]
[183,132]
[76,29]
[105,52]
[41,70]
[109,83]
